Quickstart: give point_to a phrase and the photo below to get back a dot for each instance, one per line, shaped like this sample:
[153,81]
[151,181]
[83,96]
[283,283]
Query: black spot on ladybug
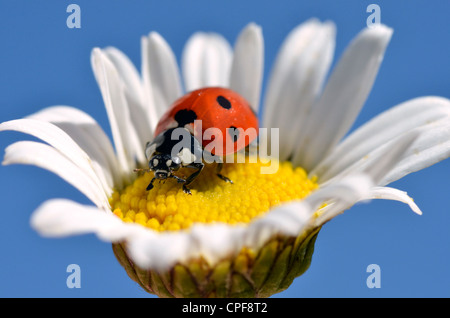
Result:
[234,133]
[225,103]
[184,117]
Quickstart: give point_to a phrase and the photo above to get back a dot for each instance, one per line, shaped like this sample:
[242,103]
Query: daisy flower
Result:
[254,237]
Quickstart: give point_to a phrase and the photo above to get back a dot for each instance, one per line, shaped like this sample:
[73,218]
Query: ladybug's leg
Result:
[218,169]
[180,180]
[150,185]
[191,178]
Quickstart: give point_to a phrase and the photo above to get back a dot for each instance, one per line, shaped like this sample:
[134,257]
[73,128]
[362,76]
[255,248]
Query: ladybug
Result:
[214,107]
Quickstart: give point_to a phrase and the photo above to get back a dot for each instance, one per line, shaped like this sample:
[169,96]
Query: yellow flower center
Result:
[167,207]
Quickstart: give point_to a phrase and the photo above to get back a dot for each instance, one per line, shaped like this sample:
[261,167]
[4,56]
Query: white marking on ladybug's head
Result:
[155,162]
[176,160]
[169,162]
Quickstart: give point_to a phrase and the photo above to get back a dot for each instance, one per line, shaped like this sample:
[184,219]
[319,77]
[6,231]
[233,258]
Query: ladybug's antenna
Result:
[141,170]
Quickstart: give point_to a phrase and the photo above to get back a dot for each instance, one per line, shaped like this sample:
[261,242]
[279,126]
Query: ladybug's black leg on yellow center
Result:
[218,169]
[180,180]
[150,185]
[191,178]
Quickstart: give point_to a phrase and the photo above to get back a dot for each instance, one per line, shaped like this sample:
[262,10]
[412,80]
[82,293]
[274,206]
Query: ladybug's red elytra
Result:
[215,107]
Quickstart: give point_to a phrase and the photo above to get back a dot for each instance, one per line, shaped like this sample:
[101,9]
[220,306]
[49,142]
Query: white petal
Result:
[213,248]
[291,50]
[387,193]
[377,132]
[347,191]
[128,72]
[61,217]
[126,141]
[86,132]
[342,195]
[247,66]
[46,157]
[139,107]
[380,161]
[288,219]
[161,72]
[49,133]
[297,80]
[159,251]
[206,61]
[57,138]
[333,208]
[344,95]
[147,85]
[432,146]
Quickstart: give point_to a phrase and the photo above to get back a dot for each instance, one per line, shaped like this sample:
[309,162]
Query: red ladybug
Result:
[219,108]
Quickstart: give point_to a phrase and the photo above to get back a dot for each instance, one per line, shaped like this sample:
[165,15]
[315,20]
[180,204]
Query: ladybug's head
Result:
[163,165]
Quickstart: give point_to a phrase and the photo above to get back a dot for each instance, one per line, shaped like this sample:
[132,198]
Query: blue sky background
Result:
[44,63]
